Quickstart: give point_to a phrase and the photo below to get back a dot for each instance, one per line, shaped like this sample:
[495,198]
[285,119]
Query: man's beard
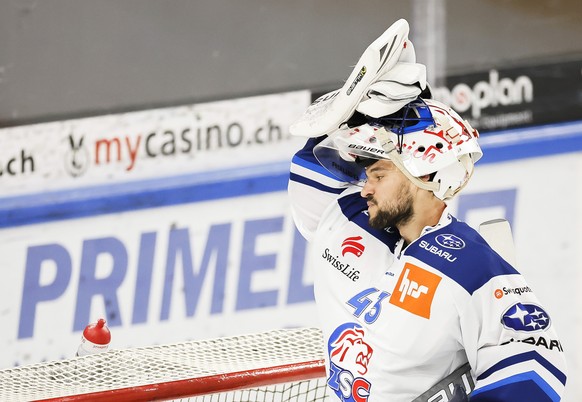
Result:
[393,216]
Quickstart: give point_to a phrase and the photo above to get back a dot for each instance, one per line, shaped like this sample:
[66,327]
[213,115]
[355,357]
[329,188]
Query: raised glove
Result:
[396,88]
[328,112]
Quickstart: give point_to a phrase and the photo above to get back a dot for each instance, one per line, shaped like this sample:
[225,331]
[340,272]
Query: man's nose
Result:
[367,190]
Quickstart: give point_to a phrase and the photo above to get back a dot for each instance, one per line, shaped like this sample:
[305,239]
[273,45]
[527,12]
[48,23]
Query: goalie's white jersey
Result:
[395,321]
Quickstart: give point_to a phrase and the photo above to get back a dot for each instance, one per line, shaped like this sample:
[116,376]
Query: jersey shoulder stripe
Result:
[528,385]
[305,157]
[314,166]
[315,172]
[315,184]
[459,252]
[523,357]
[354,207]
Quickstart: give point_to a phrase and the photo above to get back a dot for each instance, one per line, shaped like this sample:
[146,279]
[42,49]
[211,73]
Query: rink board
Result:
[191,245]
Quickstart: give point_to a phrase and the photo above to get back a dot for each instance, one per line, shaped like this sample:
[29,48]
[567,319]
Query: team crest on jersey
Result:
[524,317]
[353,245]
[349,356]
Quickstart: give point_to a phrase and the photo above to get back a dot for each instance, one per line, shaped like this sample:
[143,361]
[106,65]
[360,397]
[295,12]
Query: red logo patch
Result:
[352,245]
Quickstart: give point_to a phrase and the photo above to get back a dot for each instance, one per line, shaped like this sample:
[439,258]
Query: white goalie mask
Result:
[424,138]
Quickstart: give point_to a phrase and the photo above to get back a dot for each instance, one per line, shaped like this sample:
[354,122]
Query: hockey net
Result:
[279,365]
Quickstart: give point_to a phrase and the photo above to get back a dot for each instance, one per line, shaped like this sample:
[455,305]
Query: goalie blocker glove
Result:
[385,78]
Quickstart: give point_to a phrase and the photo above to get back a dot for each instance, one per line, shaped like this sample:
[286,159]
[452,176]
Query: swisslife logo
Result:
[415,290]
[353,245]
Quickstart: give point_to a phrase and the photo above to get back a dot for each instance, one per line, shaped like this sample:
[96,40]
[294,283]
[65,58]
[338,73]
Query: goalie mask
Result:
[424,138]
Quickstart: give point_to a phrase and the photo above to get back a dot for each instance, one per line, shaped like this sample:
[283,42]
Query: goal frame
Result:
[281,362]
[205,385]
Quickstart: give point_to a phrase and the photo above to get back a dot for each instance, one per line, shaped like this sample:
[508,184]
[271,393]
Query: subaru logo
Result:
[450,241]
[525,318]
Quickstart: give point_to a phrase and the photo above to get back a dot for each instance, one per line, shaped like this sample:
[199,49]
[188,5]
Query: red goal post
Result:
[279,365]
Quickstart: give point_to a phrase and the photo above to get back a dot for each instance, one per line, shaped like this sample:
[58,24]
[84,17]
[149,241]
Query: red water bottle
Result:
[95,339]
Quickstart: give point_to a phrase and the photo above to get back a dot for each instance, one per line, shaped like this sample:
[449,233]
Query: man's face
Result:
[388,191]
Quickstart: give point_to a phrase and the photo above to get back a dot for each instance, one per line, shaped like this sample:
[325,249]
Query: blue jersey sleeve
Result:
[508,335]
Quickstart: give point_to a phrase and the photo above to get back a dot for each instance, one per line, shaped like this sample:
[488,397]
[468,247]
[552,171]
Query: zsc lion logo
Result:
[349,356]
